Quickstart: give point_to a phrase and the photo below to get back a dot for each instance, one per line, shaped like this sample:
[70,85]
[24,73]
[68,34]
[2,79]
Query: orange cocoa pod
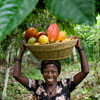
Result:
[53,32]
[62,36]
[67,39]
[30,32]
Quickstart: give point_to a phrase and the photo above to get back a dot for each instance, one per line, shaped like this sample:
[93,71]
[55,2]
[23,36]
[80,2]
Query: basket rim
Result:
[51,44]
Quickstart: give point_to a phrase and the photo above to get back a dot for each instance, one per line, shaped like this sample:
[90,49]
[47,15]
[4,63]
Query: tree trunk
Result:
[5,84]
[74,55]
[7,73]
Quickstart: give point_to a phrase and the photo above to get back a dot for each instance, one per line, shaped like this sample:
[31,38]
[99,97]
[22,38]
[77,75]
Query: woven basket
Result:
[53,51]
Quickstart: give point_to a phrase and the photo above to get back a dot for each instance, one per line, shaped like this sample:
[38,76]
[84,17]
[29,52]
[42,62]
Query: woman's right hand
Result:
[23,47]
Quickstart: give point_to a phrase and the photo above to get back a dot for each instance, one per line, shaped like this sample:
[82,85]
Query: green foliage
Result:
[34,73]
[67,27]
[90,38]
[12,13]
[90,89]
[77,11]
[40,19]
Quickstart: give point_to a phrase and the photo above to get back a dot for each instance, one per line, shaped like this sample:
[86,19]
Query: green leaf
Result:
[12,13]
[73,11]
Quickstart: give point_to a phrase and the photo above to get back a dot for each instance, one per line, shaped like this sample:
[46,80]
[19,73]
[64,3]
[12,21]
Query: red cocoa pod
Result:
[53,32]
[30,32]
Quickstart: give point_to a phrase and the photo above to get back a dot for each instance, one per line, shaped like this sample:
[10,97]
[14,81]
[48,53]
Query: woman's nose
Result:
[49,74]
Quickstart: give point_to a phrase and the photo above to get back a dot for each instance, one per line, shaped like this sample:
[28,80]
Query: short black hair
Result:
[55,62]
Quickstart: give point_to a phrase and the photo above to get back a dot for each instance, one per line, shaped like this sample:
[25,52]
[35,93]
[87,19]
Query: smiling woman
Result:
[50,88]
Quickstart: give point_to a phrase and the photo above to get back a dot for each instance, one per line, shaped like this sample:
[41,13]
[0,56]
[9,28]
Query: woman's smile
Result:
[49,80]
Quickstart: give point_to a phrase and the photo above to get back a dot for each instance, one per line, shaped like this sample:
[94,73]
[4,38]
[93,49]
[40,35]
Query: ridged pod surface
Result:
[53,32]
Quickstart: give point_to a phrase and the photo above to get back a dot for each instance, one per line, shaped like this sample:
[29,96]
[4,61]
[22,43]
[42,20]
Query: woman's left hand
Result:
[78,44]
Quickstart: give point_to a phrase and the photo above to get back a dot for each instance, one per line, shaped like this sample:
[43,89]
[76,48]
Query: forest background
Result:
[83,22]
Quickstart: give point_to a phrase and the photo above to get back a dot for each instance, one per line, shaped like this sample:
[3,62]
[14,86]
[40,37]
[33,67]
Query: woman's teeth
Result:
[49,79]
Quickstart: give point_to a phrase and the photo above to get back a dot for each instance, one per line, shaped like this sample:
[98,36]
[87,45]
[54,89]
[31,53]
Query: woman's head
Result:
[50,70]
[55,62]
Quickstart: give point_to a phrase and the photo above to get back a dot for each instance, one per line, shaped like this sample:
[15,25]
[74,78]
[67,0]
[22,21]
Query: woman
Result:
[51,89]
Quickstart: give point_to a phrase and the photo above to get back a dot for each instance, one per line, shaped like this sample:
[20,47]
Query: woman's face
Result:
[50,74]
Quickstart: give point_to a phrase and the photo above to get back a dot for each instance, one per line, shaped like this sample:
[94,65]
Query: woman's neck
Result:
[50,86]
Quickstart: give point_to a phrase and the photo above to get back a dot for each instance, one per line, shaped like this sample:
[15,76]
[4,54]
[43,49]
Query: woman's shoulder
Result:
[35,83]
[63,81]
[38,82]
[66,81]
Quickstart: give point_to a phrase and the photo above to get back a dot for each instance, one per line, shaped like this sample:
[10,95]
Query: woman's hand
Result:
[23,47]
[78,44]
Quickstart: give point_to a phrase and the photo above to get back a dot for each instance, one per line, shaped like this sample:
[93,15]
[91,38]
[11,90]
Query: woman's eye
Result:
[45,72]
[53,72]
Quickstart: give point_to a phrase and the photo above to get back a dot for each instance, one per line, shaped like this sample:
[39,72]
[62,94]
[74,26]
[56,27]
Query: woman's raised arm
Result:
[84,64]
[17,67]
